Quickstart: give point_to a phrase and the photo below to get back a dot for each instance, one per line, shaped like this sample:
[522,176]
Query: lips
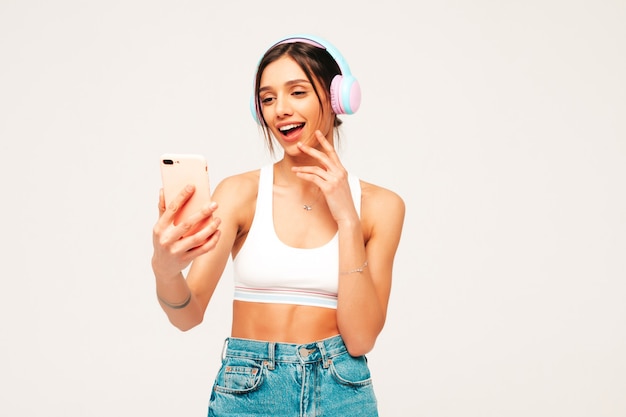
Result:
[291,130]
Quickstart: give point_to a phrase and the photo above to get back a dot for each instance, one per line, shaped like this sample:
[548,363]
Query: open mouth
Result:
[291,129]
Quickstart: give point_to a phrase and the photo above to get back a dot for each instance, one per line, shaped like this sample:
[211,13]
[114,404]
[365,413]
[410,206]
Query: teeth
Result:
[289,127]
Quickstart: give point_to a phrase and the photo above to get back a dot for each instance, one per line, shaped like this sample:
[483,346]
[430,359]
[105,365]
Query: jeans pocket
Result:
[351,370]
[239,376]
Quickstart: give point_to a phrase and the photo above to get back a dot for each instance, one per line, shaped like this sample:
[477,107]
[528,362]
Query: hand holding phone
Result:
[180,170]
[175,248]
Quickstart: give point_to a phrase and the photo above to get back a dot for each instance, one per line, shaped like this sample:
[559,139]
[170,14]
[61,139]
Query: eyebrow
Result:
[288,83]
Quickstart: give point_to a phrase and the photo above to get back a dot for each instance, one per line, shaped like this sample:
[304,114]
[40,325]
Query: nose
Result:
[283,107]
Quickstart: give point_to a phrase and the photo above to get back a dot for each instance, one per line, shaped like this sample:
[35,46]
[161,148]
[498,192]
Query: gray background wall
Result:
[500,123]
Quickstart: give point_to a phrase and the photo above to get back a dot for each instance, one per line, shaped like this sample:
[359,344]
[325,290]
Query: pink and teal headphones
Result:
[345,91]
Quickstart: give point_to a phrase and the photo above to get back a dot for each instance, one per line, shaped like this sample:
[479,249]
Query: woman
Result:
[312,249]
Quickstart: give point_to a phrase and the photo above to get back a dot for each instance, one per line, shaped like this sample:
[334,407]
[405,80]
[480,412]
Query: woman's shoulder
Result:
[382,212]
[376,197]
[236,197]
[244,182]
[237,189]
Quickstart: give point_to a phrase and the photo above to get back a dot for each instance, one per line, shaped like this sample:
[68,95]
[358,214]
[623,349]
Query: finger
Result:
[177,203]
[182,197]
[307,172]
[200,238]
[328,150]
[208,244]
[206,234]
[197,218]
[314,175]
[165,225]
[161,202]
[320,156]
[326,144]
[324,141]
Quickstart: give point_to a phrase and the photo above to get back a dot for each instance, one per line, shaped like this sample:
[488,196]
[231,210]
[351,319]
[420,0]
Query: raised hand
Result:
[330,176]
[176,245]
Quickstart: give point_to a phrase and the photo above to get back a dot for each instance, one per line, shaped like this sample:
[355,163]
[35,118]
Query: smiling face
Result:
[290,105]
[305,62]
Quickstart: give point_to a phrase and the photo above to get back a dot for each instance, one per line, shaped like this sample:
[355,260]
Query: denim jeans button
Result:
[304,352]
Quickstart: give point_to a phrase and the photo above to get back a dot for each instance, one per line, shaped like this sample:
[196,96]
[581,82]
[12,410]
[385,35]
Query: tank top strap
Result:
[263,211]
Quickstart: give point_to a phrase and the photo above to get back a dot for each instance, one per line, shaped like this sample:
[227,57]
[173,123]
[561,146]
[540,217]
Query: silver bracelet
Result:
[352,271]
[176,306]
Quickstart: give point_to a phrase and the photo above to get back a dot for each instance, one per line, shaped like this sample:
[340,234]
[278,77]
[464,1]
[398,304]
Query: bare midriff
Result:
[285,323]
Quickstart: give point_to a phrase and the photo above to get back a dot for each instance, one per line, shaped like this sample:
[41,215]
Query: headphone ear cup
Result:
[255,116]
[345,94]
[335,95]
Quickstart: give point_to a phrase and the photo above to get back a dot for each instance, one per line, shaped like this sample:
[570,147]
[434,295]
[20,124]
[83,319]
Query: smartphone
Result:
[179,170]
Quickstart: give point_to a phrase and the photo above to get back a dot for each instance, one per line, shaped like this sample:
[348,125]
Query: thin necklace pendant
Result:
[309,207]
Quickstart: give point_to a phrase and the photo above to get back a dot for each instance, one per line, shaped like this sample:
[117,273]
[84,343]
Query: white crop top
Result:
[268,271]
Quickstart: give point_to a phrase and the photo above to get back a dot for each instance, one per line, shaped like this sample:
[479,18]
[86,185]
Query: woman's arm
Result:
[364,289]
[185,300]
[367,249]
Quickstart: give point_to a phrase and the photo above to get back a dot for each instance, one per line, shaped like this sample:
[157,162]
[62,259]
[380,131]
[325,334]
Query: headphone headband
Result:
[345,92]
[322,44]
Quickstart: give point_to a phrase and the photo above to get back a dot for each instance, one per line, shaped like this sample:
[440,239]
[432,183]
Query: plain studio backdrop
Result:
[502,125]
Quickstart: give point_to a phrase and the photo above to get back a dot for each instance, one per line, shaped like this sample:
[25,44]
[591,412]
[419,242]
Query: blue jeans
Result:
[269,379]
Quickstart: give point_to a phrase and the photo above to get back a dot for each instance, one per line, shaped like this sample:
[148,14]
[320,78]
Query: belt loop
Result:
[271,349]
[325,359]
[224,349]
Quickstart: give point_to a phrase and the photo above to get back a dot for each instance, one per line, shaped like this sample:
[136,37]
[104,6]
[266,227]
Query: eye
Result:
[267,100]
